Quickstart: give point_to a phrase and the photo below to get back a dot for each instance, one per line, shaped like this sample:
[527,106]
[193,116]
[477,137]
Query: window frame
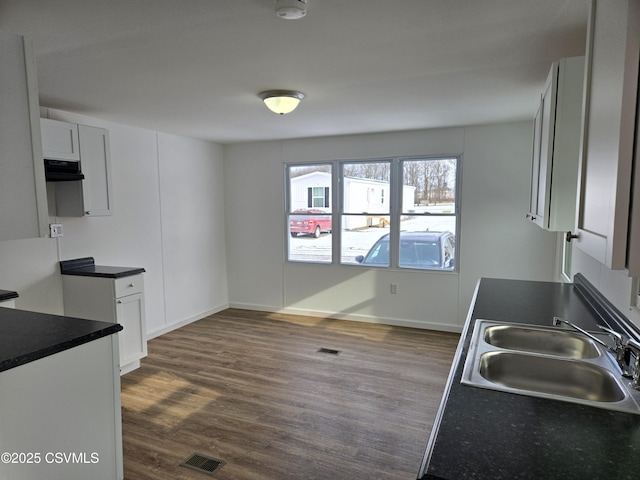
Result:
[393,202]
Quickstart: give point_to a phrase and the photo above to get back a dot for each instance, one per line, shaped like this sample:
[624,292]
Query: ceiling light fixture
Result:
[291,9]
[281,101]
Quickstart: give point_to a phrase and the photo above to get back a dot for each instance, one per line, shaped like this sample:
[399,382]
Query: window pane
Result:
[428,220]
[428,243]
[309,219]
[429,186]
[365,240]
[310,187]
[319,200]
[366,187]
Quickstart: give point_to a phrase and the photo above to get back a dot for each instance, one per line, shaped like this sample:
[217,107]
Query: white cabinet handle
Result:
[119,301]
[131,285]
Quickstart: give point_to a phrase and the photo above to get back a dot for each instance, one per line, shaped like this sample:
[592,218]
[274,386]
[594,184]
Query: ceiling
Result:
[195,67]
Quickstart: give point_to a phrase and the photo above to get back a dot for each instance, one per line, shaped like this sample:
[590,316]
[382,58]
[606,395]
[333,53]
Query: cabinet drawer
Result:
[128,285]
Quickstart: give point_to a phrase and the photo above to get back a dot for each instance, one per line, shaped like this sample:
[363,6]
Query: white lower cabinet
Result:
[119,300]
[61,417]
[130,314]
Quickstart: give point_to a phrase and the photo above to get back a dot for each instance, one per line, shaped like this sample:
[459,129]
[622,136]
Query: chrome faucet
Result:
[625,350]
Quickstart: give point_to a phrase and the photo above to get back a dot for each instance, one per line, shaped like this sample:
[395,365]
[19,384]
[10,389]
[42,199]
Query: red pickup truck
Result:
[309,222]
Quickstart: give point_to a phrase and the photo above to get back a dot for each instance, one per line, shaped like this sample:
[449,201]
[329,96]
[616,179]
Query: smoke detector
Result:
[291,9]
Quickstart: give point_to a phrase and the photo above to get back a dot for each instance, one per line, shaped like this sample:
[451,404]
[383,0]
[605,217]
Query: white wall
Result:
[207,224]
[616,285]
[192,218]
[167,217]
[495,239]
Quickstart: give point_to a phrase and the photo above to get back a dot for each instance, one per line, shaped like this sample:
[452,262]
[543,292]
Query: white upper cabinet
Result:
[95,161]
[23,196]
[604,201]
[59,140]
[556,147]
[90,145]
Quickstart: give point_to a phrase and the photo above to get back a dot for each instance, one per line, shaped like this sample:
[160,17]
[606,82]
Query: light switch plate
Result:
[55,229]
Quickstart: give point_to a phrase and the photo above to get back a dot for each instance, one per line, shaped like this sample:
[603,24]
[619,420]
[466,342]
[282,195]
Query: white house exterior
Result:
[311,190]
[361,196]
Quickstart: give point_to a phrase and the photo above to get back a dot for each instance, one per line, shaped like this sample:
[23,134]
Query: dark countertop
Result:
[28,336]
[86,267]
[486,434]
[7,295]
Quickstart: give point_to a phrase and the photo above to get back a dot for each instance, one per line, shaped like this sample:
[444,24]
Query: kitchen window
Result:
[398,213]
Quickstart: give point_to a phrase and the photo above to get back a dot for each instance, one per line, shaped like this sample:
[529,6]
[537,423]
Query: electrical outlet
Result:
[55,229]
[394,288]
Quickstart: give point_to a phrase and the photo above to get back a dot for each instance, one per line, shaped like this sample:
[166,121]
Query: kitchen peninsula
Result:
[7,298]
[60,397]
[487,434]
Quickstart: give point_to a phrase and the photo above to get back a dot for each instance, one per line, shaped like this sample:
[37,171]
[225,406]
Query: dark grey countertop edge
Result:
[105,272]
[7,295]
[86,267]
[57,348]
[422,475]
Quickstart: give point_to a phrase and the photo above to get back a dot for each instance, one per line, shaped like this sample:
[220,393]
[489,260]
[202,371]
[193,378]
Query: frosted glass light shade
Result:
[281,101]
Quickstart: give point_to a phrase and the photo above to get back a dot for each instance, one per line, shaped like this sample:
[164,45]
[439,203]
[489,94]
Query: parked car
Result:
[314,222]
[433,250]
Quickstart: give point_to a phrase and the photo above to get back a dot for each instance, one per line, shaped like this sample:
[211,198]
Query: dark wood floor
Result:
[251,389]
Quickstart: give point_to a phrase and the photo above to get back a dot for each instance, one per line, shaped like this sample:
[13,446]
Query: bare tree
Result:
[412,172]
[437,177]
[369,170]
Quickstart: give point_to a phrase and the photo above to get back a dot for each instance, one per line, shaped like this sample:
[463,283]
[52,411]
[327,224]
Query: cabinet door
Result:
[96,166]
[91,196]
[535,166]
[545,165]
[59,140]
[633,250]
[557,146]
[133,340]
[23,196]
[613,46]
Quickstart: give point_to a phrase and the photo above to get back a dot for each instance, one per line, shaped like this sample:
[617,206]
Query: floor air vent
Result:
[203,464]
[329,351]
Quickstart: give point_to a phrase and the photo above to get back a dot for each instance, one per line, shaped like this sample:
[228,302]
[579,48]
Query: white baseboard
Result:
[187,321]
[396,322]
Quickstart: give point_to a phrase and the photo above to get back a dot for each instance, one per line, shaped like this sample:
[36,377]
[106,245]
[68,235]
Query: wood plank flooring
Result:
[251,389]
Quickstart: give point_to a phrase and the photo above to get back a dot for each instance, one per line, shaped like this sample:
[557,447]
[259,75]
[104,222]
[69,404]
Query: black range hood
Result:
[62,170]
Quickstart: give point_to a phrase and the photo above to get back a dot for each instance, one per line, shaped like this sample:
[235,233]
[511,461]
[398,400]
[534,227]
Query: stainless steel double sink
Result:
[547,362]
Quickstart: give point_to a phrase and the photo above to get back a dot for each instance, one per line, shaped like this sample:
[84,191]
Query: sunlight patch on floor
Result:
[161,396]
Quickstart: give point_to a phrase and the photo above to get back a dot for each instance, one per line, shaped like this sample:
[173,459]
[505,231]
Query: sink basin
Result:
[550,375]
[541,340]
[547,362]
